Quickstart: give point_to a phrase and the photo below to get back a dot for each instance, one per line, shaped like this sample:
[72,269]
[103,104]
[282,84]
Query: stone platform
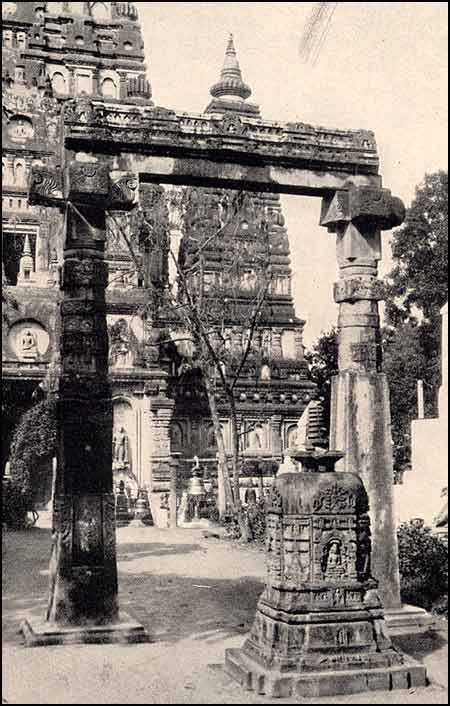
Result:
[284,684]
[40,632]
[408,620]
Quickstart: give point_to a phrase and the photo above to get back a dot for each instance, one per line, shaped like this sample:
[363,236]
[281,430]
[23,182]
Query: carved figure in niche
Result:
[332,561]
[350,558]
[28,345]
[87,531]
[250,496]
[255,438]
[338,597]
[120,447]
[122,342]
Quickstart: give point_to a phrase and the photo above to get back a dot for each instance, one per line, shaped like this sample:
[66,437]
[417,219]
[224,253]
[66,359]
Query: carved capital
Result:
[88,183]
[365,206]
[356,288]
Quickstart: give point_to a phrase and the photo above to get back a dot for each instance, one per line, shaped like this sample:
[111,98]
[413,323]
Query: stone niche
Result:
[319,627]
[28,340]
[124,443]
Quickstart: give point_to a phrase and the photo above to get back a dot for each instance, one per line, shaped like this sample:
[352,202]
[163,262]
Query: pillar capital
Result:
[365,207]
[90,183]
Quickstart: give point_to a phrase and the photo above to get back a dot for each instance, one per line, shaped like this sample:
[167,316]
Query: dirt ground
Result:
[195,597]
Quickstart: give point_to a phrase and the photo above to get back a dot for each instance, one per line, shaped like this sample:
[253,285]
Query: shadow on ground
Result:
[173,607]
[131,552]
[422,645]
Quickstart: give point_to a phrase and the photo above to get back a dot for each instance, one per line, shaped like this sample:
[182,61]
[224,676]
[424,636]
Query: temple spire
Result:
[230,92]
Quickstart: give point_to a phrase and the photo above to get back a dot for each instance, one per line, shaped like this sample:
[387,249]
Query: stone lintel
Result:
[300,179]
[276,684]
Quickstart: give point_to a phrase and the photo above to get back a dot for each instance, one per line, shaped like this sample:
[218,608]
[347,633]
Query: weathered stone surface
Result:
[319,627]
[361,425]
[364,206]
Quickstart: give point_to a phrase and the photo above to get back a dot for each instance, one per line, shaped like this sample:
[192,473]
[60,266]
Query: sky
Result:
[383,67]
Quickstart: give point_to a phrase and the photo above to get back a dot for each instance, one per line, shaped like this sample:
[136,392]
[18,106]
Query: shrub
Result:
[15,506]
[33,442]
[423,564]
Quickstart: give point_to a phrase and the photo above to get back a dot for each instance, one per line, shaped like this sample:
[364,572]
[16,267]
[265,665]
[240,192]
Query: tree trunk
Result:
[225,492]
[246,533]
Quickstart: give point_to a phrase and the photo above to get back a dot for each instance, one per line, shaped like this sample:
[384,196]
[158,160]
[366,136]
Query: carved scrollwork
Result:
[334,499]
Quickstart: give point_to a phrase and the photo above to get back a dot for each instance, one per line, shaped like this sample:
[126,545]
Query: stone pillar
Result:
[83,603]
[173,493]
[275,428]
[360,411]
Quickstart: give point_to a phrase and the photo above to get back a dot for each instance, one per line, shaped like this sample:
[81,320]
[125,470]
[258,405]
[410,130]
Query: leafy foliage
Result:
[34,442]
[420,252]
[15,506]
[423,564]
[408,358]
[417,290]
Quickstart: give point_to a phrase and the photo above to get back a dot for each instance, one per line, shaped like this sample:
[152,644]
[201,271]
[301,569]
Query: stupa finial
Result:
[231,82]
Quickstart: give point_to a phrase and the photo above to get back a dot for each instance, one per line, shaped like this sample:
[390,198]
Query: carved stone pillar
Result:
[360,417]
[83,604]
[275,434]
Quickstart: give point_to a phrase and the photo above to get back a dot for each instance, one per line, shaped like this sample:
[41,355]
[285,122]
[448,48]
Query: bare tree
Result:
[223,278]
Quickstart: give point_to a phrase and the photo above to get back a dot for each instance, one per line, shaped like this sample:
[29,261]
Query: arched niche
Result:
[176,437]
[20,128]
[124,435]
[28,340]
[20,173]
[291,435]
[59,83]
[109,88]
[100,11]
[265,372]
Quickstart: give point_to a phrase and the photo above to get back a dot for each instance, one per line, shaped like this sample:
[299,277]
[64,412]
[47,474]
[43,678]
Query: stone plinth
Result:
[319,627]
[123,631]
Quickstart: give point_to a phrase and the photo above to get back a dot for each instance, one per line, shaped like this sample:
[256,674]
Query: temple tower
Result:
[274,388]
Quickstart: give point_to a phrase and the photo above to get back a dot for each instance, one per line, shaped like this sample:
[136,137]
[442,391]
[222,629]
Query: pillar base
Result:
[40,633]
[408,620]
[276,684]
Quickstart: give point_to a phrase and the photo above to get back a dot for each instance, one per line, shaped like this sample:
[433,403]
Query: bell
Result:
[142,506]
[196,487]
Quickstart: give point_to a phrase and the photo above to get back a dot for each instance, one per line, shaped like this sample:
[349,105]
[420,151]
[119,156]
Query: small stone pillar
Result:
[173,463]
[360,410]
[319,628]
[83,603]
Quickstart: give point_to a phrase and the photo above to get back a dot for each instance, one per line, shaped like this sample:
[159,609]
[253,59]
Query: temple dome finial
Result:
[231,83]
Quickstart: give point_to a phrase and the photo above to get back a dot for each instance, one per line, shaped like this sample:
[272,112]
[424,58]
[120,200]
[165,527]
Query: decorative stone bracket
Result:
[89,183]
